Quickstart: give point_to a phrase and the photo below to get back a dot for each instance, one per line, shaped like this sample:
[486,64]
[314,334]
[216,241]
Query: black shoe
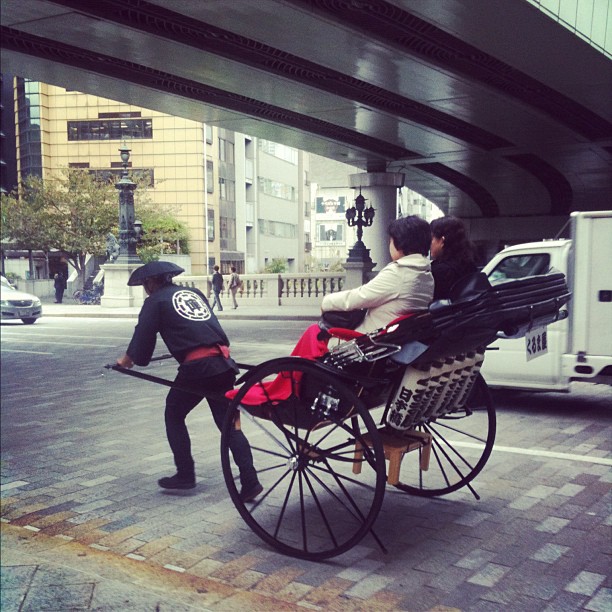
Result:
[247,495]
[177,482]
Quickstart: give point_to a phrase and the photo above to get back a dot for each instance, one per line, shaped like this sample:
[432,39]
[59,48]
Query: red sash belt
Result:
[207,351]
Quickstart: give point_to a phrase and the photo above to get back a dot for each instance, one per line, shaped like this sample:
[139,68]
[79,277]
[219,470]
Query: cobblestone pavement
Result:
[85,527]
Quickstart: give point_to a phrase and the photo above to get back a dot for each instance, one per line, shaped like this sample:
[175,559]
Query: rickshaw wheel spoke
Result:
[318,507]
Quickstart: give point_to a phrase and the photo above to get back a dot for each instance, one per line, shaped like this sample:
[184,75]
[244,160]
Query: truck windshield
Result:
[519,266]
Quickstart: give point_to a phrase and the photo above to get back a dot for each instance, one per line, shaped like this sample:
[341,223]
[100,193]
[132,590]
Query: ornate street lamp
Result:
[359,216]
[128,232]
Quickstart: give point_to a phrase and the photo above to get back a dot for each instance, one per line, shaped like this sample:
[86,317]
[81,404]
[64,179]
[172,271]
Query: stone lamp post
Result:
[117,294]
[129,228]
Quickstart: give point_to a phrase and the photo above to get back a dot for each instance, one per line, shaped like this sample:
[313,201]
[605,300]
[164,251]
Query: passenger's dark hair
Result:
[410,235]
[457,245]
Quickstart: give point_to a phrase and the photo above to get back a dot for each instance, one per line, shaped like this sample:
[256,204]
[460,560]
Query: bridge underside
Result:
[489,108]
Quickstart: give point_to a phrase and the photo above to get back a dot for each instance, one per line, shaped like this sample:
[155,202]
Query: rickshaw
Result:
[404,406]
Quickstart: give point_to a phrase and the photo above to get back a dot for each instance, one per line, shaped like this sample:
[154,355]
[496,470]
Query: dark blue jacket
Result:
[183,318]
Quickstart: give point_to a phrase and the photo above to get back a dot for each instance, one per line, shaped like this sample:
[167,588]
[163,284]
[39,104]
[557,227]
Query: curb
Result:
[229,317]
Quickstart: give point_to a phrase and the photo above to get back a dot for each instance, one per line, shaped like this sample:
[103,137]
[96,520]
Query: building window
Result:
[127,115]
[227,190]
[211,225]
[110,129]
[227,233]
[276,189]
[28,120]
[210,188]
[226,151]
[279,150]
[113,175]
[277,229]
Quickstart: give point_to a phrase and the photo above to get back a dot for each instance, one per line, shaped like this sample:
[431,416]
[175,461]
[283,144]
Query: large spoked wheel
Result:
[314,504]
[461,445]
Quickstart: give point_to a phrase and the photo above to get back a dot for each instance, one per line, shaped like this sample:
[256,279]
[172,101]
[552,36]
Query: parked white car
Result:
[18,305]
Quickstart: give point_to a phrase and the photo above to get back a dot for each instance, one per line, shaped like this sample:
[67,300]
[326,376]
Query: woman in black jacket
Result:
[452,254]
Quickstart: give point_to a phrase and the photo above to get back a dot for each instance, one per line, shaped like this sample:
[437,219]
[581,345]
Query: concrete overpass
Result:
[488,108]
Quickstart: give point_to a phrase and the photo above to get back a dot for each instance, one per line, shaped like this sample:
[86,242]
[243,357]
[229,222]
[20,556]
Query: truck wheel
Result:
[29,320]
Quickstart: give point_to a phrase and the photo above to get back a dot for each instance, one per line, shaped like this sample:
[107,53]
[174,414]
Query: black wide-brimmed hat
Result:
[154,268]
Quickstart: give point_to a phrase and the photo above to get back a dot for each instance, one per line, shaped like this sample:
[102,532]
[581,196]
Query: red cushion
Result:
[343,334]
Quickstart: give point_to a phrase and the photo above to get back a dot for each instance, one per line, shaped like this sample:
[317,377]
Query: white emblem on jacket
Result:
[190,306]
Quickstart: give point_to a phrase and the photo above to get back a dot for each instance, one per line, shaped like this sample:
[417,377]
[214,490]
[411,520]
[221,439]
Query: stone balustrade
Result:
[274,289]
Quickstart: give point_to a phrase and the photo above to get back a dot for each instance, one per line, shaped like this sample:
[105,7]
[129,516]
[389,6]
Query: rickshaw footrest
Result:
[395,447]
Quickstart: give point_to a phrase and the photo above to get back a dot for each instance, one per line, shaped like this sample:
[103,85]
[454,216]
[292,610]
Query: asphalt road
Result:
[82,448]
[62,357]
[79,348]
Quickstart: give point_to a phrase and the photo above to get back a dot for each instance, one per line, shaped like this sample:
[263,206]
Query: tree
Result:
[162,234]
[74,212]
[71,212]
[276,266]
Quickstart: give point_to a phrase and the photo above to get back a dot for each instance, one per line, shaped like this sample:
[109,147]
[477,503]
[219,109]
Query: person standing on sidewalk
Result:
[217,286]
[183,318]
[234,285]
[59,284]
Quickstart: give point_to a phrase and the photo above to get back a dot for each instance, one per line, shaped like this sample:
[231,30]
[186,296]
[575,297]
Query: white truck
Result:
[578,348]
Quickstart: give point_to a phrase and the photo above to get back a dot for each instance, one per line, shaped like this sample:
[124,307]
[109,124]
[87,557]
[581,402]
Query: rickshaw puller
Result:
[195,338]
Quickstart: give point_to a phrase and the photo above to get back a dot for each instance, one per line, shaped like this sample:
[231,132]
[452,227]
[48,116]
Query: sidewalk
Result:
[69,308]
[41,572]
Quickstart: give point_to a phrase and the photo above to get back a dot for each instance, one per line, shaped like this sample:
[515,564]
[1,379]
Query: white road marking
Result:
[51,335]
[29,352]
[65,343]
[539,453]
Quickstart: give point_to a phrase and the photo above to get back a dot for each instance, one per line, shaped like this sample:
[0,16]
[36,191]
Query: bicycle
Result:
[89,296]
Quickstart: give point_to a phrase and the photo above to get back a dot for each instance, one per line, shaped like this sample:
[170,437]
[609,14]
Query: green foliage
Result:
[163,234]
[12,277]
[147,254]
[276,266]
[73,213]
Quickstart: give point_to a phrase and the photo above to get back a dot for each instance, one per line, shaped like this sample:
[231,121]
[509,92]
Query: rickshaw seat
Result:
[309,346]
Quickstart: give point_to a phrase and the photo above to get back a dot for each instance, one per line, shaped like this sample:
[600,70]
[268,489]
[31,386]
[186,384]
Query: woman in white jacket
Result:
[402,286]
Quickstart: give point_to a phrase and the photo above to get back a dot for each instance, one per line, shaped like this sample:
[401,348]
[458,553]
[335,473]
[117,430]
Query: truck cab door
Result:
[505,363]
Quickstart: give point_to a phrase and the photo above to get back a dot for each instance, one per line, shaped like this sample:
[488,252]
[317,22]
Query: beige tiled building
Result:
[81,130]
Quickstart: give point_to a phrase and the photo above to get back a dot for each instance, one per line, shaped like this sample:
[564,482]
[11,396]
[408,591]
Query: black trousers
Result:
[180,403]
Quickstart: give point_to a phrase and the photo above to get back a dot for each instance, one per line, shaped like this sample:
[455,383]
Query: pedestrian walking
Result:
[217,286]
[183,318]
[59,284]
[234,285]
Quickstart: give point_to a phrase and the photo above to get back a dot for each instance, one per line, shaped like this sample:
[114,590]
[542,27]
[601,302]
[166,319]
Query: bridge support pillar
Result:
[380,191]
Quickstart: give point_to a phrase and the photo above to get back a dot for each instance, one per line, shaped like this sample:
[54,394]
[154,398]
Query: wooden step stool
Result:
[395,447]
